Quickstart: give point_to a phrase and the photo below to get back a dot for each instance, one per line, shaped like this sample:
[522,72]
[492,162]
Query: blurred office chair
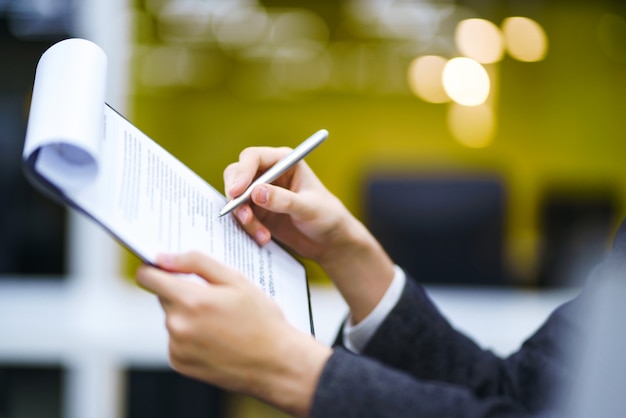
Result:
[163,393]
[28,390]
[440,229]
[576,227]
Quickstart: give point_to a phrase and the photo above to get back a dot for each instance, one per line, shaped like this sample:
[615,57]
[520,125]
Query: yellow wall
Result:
[559,122]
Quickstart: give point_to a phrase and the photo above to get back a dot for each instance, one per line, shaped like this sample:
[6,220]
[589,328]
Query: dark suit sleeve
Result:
[357,386]
[417,365]
[417,339]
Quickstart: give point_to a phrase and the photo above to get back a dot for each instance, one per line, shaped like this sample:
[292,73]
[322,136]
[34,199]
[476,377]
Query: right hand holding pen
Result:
[296,209]
[300,212]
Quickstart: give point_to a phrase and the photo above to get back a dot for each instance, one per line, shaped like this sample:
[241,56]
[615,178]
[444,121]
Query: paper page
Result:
[155,204]
[102,165]
[65,119]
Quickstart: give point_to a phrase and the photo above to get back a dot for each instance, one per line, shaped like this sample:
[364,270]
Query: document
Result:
[81,152]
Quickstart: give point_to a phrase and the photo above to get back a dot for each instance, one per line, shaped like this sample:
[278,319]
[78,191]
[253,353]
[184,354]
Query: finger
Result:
[252,162]
[234,182]
[157,281]
[280,200]
[202,265]
[252,225]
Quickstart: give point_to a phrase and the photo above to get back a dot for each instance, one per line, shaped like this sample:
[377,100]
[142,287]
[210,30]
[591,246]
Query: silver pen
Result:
[278,169]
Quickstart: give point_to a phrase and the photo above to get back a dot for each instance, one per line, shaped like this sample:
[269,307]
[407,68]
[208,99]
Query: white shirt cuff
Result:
[355,337]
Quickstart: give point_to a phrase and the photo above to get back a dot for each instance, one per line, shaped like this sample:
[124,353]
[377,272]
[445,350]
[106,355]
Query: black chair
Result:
[440,229]
[163,393]
[576,227]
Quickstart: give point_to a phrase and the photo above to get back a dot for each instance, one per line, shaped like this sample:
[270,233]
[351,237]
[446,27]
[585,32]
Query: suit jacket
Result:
[417,365]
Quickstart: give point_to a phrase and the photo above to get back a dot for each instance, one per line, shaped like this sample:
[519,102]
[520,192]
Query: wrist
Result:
[349,237]
[294,371]
[359,267]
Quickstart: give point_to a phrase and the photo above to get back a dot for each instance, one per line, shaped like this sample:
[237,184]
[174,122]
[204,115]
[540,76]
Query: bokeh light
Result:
[525,39]
[466,81]
[228,31]
[425,78]
[472,126]
[480,40]
[309,69]
[174,67]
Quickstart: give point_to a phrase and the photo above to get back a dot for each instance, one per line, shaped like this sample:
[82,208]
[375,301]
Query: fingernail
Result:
[166,260]
[233,188]
[262,195]
[242,214]
[261,237]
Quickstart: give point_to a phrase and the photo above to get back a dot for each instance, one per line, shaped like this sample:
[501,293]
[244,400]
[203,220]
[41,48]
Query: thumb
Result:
[157,281]
[207,268]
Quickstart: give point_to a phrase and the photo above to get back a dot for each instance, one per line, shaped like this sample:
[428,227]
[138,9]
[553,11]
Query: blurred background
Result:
[480,140]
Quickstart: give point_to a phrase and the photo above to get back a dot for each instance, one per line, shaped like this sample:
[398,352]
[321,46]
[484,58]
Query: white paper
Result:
[65,118]
[104,166]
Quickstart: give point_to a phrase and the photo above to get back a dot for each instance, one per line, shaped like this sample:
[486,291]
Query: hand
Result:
[300,212]
[229,333]
[296,210]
